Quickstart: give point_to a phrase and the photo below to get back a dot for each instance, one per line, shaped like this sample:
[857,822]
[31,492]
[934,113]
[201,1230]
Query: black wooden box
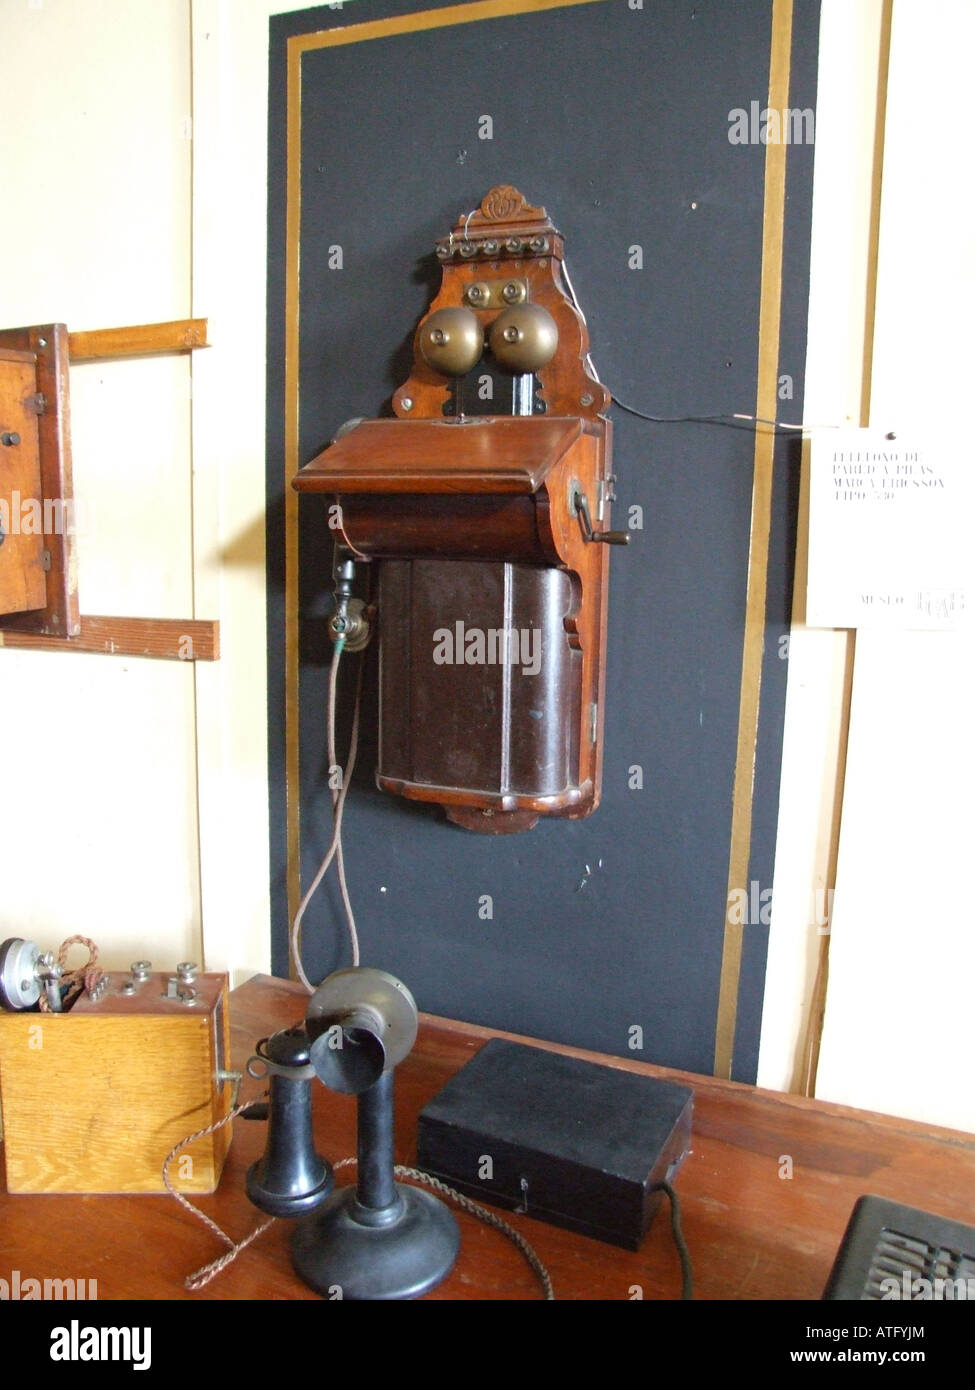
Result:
[570,1142]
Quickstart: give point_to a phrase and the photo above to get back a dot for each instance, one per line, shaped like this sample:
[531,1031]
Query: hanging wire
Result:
[680,419]
[338,807]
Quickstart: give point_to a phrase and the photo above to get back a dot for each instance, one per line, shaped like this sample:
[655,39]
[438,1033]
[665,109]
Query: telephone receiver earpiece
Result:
[290,1179]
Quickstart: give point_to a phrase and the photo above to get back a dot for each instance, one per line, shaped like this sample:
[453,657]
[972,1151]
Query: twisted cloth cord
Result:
[490,1218]
[73,982]
[202,1276]
[208,1272]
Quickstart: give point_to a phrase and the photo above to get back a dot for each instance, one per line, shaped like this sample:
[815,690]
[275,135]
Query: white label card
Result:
[888,519]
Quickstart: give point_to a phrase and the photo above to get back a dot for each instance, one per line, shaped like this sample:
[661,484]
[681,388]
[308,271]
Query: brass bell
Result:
[524,338]
[451,341]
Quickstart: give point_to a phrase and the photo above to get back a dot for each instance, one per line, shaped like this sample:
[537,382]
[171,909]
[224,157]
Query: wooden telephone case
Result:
[486,500]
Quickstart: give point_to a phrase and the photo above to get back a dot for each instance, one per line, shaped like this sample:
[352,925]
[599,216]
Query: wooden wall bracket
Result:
[175,638]
[39,606]
[140,340]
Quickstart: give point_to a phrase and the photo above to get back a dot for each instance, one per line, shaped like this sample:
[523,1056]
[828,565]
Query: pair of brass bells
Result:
[522,338]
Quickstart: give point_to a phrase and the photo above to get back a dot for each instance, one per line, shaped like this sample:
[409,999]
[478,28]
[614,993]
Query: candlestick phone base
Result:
[378,1239]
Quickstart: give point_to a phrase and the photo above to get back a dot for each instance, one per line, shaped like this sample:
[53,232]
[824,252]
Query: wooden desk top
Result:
[752,1233]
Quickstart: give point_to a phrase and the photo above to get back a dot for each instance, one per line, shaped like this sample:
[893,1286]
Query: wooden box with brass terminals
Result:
[95,1098]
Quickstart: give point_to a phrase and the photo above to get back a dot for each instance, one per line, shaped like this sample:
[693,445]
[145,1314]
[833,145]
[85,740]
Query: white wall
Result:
[101,836]
[897,1034]
[230,55]
[140,817]
[815,727]
[901,943]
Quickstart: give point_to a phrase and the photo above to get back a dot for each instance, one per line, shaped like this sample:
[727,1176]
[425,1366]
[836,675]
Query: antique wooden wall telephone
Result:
[486,500]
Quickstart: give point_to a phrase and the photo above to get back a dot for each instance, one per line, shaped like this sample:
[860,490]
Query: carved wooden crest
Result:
[504,213]
[506,204]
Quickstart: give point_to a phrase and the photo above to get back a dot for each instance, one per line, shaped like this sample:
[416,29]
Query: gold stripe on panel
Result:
[291,397]
[754,634]
[422,20]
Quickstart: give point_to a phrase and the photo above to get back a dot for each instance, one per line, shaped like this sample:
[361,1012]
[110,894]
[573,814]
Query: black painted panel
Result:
[616,120]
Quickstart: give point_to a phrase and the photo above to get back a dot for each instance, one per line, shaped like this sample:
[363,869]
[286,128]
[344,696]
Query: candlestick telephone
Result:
[378,1239]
